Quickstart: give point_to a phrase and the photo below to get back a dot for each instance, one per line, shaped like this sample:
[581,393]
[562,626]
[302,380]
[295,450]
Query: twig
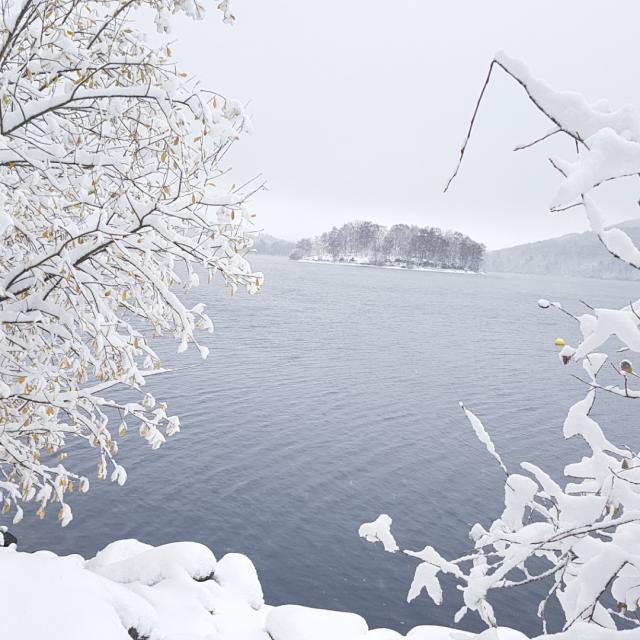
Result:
[473,119]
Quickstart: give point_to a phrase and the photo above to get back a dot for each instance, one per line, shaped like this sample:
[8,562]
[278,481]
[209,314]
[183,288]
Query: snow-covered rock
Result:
[237,573]
[164,593]
[510,634]
[55,598]
[292,622]
[117,551]
[172,592]
[430,632]
[383,634]
[155,564]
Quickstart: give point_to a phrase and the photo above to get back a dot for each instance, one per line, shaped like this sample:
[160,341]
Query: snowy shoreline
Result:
[176,591]
[388,266]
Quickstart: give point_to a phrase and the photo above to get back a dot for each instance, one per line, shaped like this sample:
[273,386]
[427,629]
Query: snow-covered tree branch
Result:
[580,537]
[110,198]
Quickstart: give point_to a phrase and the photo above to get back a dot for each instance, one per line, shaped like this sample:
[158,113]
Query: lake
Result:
[332,396]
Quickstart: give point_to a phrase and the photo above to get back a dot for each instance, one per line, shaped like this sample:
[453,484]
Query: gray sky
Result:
[360,106]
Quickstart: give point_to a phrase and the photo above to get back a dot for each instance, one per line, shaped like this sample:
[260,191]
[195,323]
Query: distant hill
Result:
[575,254]
[266,244]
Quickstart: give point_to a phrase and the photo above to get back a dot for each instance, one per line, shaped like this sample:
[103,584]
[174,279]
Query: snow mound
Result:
[383,634]
[292,622]
[72,603]
[237,573]
[117,551]
[175,591]
[155,564]
[163,593]
[430,632]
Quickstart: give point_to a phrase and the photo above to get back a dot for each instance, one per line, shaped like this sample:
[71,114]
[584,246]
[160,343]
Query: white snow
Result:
[292,622]
[360,263]
[483,436]
[379,531]
[81,283]
[426,577]
[383,634]
[237,573]
[171,592]
[431,632]
[71,603]
[159,563]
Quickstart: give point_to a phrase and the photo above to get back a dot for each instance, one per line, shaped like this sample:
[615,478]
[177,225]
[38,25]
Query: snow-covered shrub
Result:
[109,199]
[581,536]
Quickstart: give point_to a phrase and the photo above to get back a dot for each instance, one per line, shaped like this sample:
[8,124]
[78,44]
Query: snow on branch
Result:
[379,531]
[579,536]
[483,436]
[112,196]
[607,141]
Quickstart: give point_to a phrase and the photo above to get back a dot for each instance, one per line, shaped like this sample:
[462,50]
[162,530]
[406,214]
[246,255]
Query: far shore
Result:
[398,267]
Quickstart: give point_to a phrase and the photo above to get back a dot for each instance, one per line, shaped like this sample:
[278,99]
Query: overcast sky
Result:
[360,106]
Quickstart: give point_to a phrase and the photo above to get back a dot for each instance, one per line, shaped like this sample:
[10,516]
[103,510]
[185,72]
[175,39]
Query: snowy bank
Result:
[177,591]
[402,266]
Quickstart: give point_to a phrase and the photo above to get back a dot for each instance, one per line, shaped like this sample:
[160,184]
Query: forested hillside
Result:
[265,244]
[575,254]
[402,244]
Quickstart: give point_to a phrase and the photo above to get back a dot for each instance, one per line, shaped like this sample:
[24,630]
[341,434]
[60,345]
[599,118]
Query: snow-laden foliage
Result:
[582,536]
[109,200]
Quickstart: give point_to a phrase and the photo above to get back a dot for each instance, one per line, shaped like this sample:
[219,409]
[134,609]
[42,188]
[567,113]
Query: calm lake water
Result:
[332,396]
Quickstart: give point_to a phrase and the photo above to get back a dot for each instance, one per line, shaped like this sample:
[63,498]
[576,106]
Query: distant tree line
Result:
[401,243]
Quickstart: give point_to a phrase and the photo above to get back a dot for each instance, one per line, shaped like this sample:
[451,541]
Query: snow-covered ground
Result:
[177,591]
[363,262]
